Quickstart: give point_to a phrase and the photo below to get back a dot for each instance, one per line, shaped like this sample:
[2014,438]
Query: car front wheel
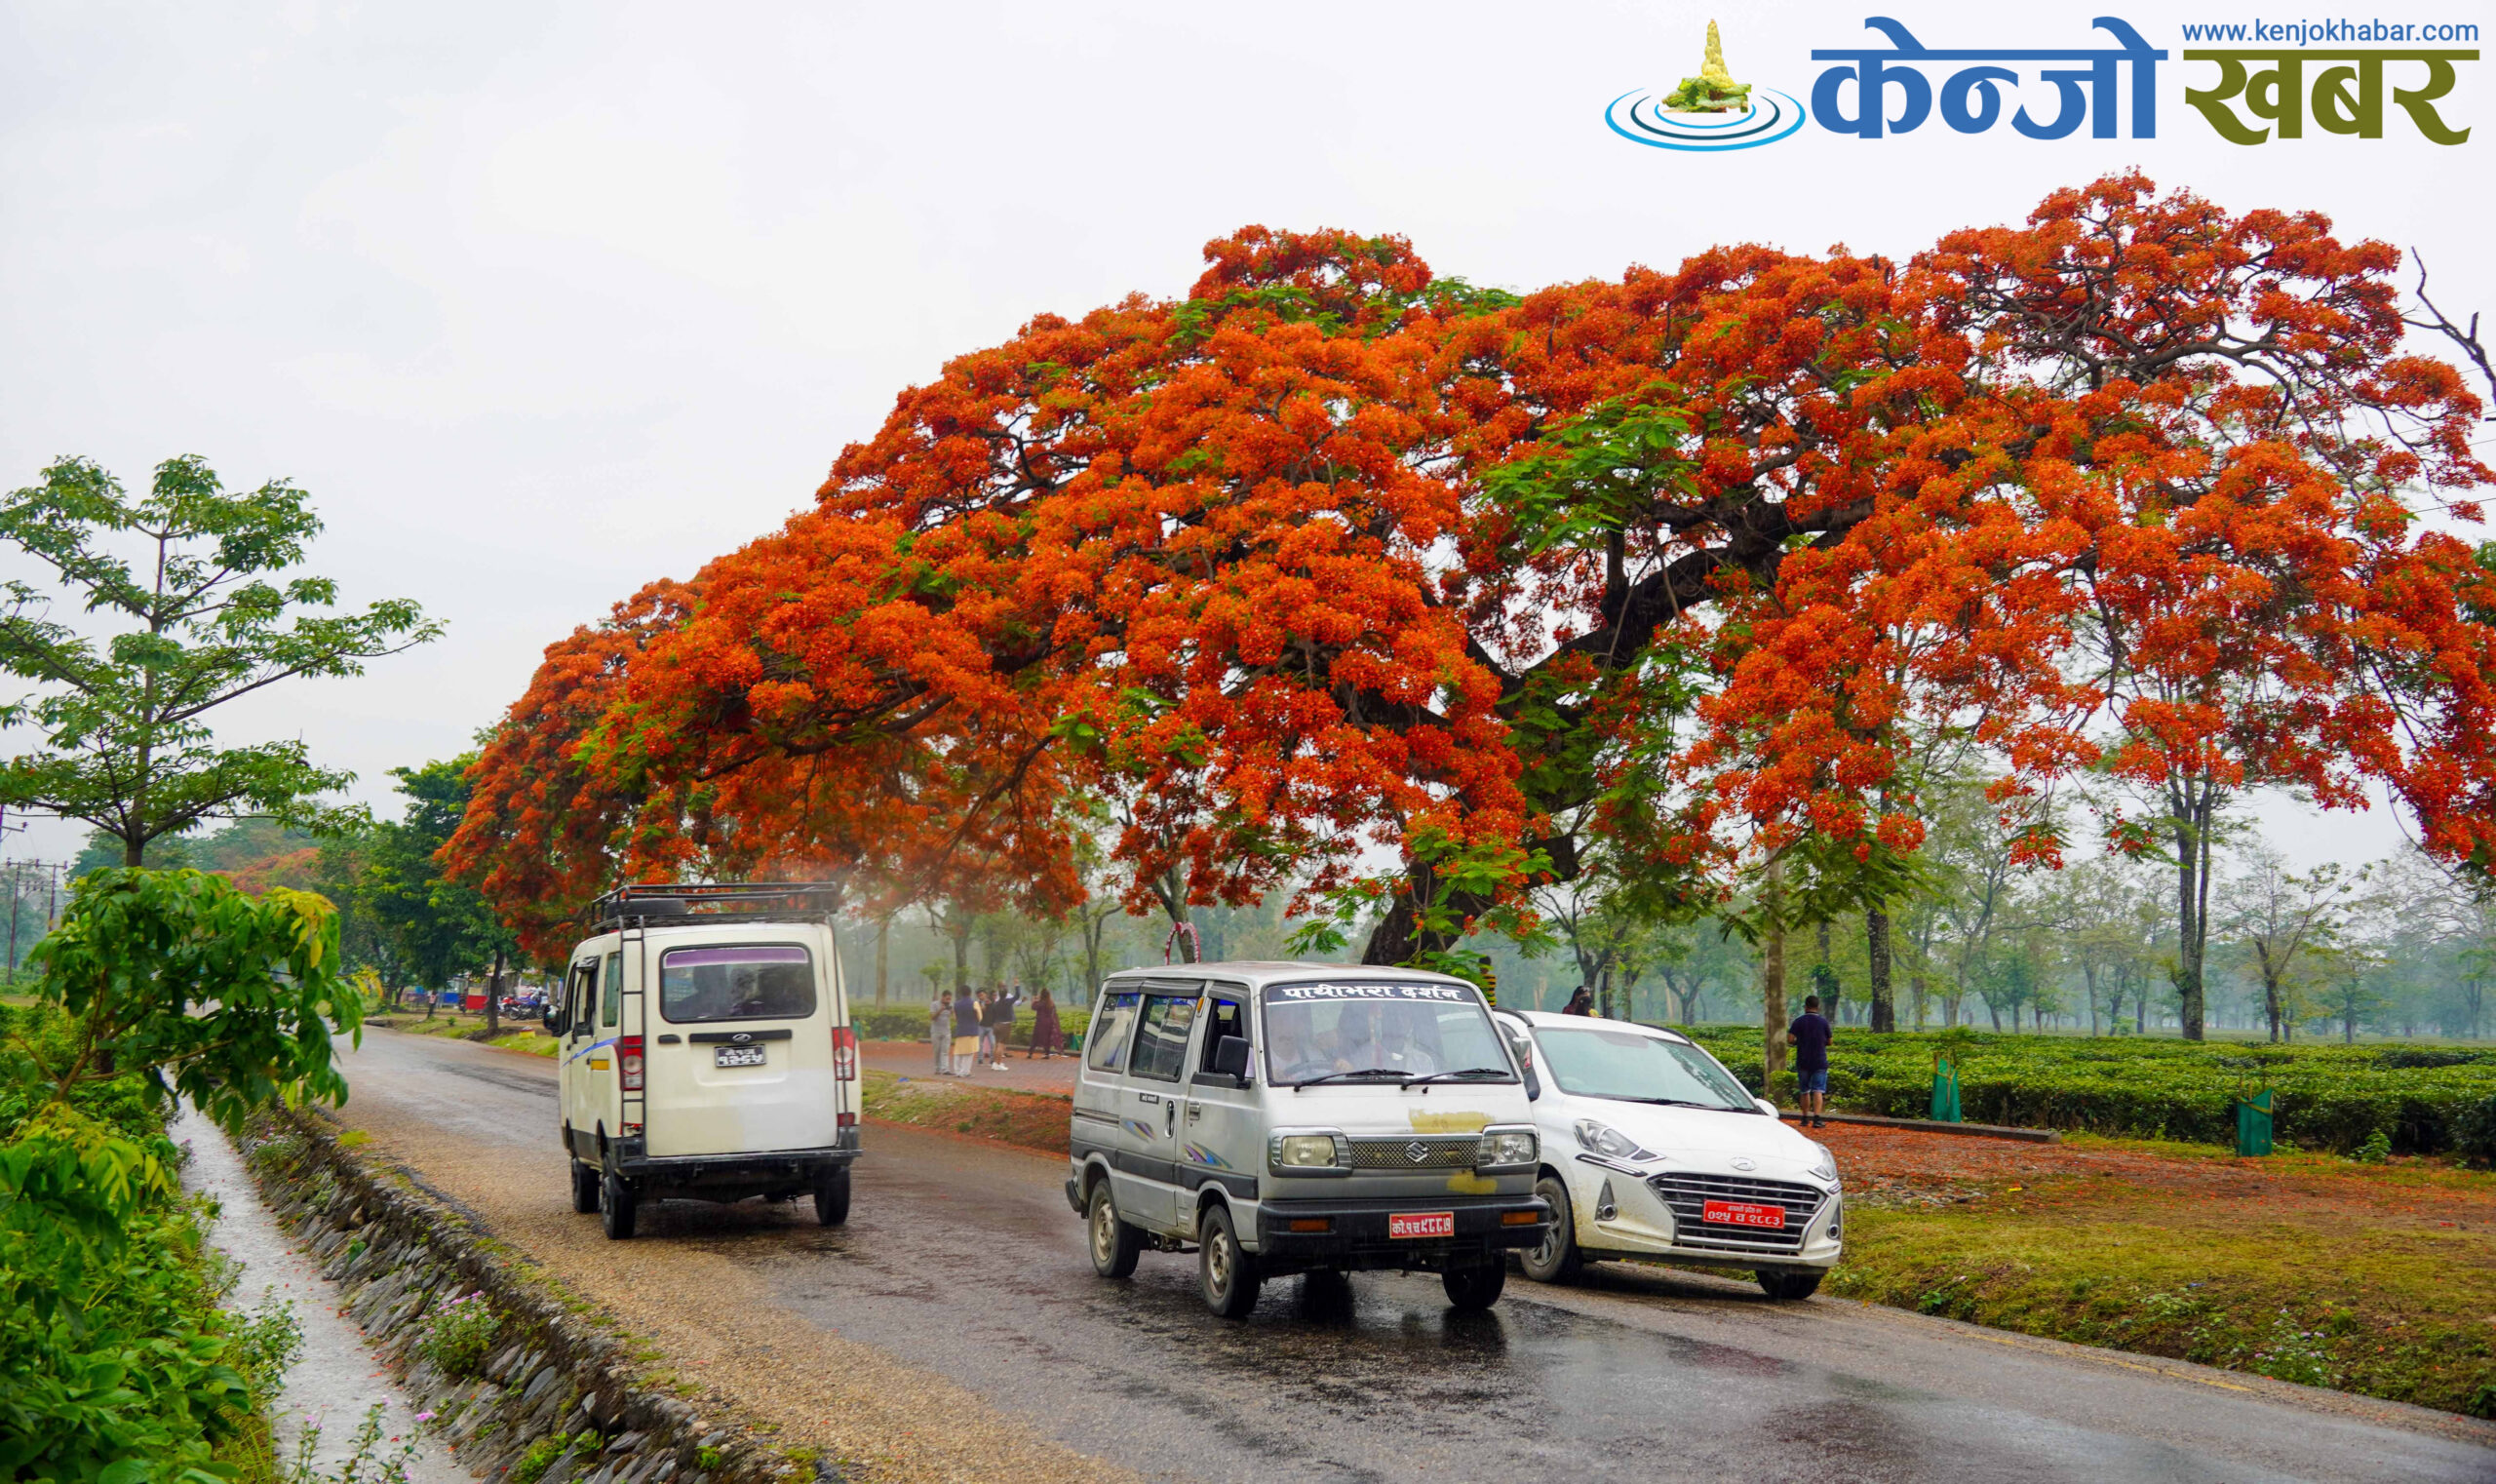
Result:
[1789,1284]
[1114,1244]
[1557,1259]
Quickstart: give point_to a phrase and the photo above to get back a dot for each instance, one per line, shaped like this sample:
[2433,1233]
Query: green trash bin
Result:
[1945,1092]
[2253,1122]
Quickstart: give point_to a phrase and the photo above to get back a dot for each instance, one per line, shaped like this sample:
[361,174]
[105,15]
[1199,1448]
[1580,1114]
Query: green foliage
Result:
[113,1356]
[439,927]
[2328,1096]
[138,951]
[366,1462]
[2375,1150]
[204,620]
[458,1335]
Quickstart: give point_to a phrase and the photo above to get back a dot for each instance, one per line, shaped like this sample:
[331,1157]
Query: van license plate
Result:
[1420,1223]
[1741,1213]
[739,1056]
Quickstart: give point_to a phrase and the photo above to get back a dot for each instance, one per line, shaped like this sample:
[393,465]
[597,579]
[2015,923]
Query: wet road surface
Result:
[963,1260]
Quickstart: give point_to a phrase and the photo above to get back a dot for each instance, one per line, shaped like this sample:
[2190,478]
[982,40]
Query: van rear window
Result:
[762,982]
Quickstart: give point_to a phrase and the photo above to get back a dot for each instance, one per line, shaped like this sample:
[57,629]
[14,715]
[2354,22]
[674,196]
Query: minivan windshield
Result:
[1592,1062]
[1352,1030]
[757,982]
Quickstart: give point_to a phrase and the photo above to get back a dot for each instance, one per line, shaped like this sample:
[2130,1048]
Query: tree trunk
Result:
[2194,820]
[1876,949]
[1771,980]
[1918,987]
[962,936]
[883,928]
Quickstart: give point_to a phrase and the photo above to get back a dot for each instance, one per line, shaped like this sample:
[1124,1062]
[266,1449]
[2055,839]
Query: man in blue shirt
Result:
[1810,1037]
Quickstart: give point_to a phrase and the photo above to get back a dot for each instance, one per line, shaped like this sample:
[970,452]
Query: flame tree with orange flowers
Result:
[1334,561]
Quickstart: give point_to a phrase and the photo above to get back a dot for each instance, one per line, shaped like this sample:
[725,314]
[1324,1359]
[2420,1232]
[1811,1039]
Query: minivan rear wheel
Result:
[1477,1287]
[1556,1260]
[584,1188]
[1227,1275]
[617,1208]
[831,1197]
[1114,1244]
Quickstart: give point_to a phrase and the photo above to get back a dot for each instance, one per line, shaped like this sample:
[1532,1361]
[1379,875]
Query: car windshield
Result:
[1350,1030]
[774,982]
[1592,1062]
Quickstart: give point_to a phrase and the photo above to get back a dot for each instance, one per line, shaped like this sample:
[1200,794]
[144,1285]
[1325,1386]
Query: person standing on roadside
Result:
[965,1034]
[940,1028]
[1043,1028]
[1001,1025]
[1582,1003]
[1810,1037]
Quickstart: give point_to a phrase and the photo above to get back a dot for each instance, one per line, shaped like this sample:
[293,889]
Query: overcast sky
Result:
[541,302]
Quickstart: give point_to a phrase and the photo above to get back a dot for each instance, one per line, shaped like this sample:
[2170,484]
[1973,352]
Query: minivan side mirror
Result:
[1231,1058]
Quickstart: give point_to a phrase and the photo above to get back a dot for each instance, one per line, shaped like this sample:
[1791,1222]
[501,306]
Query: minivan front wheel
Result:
[1477,1287]
[1556,1260]
[1114,1244]
[1227,1275]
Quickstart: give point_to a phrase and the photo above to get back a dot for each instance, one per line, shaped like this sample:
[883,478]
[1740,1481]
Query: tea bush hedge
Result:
[2423,1100]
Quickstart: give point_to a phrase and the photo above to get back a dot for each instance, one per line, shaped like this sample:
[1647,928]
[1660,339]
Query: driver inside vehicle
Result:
[1292,1058]
[1373,1038]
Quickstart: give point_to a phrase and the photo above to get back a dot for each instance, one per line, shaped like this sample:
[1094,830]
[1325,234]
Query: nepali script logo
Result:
[1970,99]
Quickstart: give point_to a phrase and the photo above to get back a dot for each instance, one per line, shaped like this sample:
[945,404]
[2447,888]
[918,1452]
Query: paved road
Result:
[964,1262]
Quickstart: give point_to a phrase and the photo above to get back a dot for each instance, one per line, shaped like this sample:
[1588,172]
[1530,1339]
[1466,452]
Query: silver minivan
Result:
[1297,1117]
[706,1051]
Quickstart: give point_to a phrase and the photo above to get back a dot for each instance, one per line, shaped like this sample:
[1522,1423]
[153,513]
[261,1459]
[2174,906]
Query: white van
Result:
[707,1052]
[1300,1118]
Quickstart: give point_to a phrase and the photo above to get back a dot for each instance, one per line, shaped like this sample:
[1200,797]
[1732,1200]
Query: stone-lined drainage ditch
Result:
[559,1401]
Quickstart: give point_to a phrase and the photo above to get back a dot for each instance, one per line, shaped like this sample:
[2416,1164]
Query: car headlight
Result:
[1507,1148]
[1826,1166]
[1311,1154]
[1608,1140]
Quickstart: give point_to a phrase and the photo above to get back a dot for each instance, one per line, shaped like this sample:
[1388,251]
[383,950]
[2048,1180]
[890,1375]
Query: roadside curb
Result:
[555,1393]
[1935,1127]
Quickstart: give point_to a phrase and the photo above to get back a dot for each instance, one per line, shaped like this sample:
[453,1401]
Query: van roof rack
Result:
[653,903]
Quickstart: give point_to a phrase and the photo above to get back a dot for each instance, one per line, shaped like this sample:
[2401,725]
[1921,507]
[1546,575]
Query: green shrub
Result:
[459,1334]
[2328,1096]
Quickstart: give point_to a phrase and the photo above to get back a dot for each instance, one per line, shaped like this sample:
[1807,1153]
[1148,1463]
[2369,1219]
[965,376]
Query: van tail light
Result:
[850,1120]
[844,1054]
[628,1062]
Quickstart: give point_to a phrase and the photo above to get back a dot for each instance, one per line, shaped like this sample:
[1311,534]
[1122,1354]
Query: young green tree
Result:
[205,616]
[442,926]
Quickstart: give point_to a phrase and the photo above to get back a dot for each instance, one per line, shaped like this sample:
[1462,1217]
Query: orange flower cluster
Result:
[1334,555]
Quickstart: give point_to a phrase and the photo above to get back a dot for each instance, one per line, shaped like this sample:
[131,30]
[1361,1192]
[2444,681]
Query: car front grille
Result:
[1687,1196]
[1419,1152]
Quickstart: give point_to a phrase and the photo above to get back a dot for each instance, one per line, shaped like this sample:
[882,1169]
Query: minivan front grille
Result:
[1419,1152]
[1687,1196]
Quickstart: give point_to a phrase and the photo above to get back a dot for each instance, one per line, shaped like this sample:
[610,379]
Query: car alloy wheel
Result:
[1556,1257]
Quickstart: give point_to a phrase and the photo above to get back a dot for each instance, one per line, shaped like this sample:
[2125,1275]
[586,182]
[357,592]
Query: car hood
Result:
[1703,1133]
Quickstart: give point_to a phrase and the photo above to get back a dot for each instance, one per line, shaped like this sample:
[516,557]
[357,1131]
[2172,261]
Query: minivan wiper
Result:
[1365,1072]
[1461,1072]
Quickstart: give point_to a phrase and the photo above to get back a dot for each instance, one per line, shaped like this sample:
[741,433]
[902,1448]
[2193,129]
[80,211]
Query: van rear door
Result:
[741,1045]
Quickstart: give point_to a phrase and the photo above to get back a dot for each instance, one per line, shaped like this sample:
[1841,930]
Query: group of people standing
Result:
[969,1031]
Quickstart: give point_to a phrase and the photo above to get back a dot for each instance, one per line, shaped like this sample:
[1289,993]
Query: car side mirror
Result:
[1231,1058]
[1766,1106]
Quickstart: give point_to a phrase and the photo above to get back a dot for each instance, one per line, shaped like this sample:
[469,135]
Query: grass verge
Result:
[1032,1120]
[2308,1268]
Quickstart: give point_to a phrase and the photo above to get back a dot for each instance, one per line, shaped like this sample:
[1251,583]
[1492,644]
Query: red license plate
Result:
[1741,1213]
[1422,1224]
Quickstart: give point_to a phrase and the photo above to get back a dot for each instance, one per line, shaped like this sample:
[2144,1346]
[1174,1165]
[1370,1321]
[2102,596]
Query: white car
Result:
[1650,1149]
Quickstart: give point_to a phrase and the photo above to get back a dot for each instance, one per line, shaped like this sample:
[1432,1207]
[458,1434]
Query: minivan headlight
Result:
[1309,1153]
[1604,1140]
[1507,1148]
